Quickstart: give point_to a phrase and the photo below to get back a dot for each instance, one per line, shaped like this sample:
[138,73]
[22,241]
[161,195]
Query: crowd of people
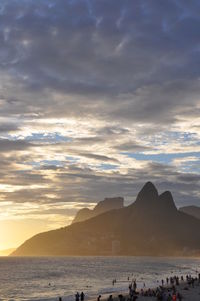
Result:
[167,291]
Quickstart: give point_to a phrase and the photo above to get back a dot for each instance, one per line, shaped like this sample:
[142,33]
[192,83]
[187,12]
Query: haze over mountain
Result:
[151,225]
[6,252]
[191,210]
[103,206]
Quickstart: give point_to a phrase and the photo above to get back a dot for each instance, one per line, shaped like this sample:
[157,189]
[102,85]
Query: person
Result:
[182,279]
[59,299]
[99,298]
[110,298]
[121,298]
[169,297]
[179,297]
[134,285]
[82,296]
[174,297]
[77,296]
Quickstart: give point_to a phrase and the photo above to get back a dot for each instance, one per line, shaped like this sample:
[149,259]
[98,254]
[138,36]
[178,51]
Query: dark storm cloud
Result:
[134,60]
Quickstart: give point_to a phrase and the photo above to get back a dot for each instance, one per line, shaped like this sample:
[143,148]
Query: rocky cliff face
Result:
[152,225]
[106,205]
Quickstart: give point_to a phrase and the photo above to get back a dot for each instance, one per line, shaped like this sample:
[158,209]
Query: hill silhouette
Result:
[106,205]
[191,210]
[152,225]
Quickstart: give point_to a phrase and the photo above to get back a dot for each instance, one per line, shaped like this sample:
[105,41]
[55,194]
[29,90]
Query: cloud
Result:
[133,62]
[8,127]
[17,145]
[96,98]
[98,157]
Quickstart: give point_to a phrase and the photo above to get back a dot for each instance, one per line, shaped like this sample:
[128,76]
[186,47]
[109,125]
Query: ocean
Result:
[47,278]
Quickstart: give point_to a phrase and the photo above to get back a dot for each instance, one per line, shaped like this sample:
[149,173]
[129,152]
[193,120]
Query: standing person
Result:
[77,296]
[134,285]
[110,298]
[99,298]
[174,297]
[182,279]
[82,296]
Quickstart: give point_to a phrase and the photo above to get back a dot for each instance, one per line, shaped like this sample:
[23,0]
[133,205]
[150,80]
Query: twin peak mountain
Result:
[151,225]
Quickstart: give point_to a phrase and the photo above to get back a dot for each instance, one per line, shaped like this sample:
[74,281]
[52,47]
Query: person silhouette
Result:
[110,298]
[99,298]
[77,296]
[82,296]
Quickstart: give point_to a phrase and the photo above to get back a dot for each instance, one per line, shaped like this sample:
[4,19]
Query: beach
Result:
[186,291]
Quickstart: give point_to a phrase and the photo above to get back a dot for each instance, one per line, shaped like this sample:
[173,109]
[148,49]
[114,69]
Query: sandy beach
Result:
[187,292]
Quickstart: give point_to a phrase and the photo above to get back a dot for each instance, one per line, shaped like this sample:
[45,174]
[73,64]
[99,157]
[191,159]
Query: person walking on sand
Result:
[82,296]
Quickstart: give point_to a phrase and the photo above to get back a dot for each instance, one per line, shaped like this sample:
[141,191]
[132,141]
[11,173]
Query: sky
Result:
[97,97]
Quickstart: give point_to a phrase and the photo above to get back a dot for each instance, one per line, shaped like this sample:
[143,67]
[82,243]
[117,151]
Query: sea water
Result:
[47,278]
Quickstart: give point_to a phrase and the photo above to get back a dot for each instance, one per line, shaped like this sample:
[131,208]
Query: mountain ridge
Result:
[101,207]
[191,210]
[151,225]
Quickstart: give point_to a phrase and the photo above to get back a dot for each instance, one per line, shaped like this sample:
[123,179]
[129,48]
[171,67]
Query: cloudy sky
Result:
[96,98]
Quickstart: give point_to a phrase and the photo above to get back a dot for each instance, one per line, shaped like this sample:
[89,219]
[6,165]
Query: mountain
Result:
[191,210]
[152,225]
[106,205]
